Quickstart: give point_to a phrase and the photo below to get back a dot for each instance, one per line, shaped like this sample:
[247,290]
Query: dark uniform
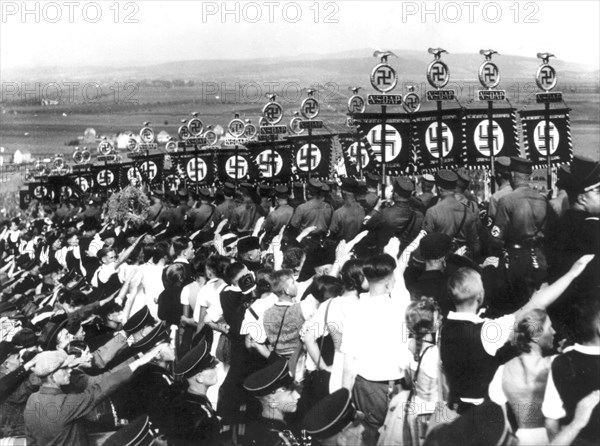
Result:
[347,220]
[279,217]
[315,212]
[244,217]
[192,420]
[201,216]
[225,210]
[520,223]
[451,217]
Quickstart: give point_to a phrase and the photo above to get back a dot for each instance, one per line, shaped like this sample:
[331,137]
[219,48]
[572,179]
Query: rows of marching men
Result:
[317,313]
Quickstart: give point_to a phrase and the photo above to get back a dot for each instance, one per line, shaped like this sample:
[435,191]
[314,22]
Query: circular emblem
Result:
[183,132]
[195,128]
[86,156]
[131,144]
[211,137]
[431,140]
[364,155]
[236,127]
[59,162]
[149,169]
[250,131]
[133,174]
[273,113]
[40,191]
[78,157]
[356,104]
[411,102]
[384,78]
[438,74]
[171,146]
[295,126]
[308,161]
[147,135]
[104,148]
[196,169]
[545,77]
[83,183]
[480,137]
[241,167]
[489,75]
[310,108]
[105,177]
[265,161]
[393,142]
[173,182]
[66,191]
[539,138]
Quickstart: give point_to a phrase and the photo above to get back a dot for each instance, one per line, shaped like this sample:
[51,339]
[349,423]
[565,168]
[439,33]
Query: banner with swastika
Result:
[25,198]
[534,139]
[228,166]
[398,147]
[273,159]
[476,130]
[426,139]
[315,158]
[106,177]
[351,147]
[198,168]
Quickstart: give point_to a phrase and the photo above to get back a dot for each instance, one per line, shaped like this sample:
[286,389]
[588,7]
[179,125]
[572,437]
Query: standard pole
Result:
[490,138]
[383,145]
[439,134]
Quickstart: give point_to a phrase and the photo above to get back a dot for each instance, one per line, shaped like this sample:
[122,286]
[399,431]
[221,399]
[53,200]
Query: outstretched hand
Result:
[580,264]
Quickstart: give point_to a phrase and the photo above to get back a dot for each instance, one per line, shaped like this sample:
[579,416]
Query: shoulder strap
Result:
[462,223]
[280,327]
[253,313]
[324,334]
[209,218]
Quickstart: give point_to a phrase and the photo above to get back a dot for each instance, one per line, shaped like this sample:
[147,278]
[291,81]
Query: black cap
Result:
[298,187]
[282,191]
[330,415]
[138,321]
[349,185]
[158,193]
[204,193]
[325,188]
[464,178]
[314,185]
[361,187]
[269,379]
[159,333]
[372,179]
[246,188]
[195,361]
[25,338]
[435,246]
[6,349]
[228,189]
[521,165]
[446,179]
[50,332]
[264,190]
[136,433]
[586,173]
[246,244]
[403,186]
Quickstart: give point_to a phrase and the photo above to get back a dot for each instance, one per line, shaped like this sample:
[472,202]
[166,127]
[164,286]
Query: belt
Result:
[524,245]
[389,382]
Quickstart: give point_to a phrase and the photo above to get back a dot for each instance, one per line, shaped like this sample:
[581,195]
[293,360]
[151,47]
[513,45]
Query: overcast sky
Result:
[191,30]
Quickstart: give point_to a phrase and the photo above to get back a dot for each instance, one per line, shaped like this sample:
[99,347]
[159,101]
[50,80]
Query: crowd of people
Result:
[325,313]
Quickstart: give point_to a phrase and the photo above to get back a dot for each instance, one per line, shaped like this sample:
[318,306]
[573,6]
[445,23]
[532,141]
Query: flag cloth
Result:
[272,157]
[311,155]
[534,140]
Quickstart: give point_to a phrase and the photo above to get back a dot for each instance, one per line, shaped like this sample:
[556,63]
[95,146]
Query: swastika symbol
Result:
[431,140]
[383,78]
[183,132]
[272,113]
[411,102]
[539,138]
[196,169]
[40,191]
[133,174]
[195,127]
[357,104]
[105,177]
[66,191]
[131,144]
[265,160]
[304,159]
[82,183]
[236,127]
[249,130]
[480,137]
[241,168]
[393,142]
[437,74]
[546,77]
[310,108]
[147,135]
[150,169]
[489,75]
[353,154]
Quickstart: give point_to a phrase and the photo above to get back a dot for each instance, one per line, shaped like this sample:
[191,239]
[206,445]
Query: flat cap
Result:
[50,361]
[403,186]
[428,178]
[330,415]
[350,185]
[435,246]
[521,165]
[25,338]
[229,189]
[463,175]
[586,173]
[50,331]
[136,433]
[246,188]
[502,163]
[267,380]
[195,361]
[446,179]
[282,191]
[7,348]
[159,333]
[314,184]
[138,321]
[204,193]
[182,193]
[264,190]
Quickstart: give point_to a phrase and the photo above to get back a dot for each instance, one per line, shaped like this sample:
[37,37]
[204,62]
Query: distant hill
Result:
[345,68]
